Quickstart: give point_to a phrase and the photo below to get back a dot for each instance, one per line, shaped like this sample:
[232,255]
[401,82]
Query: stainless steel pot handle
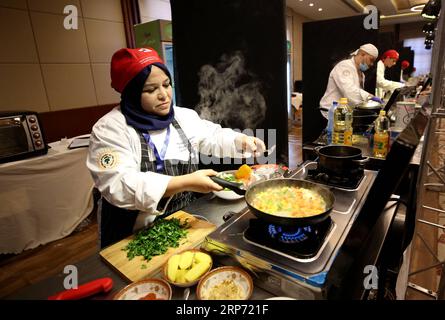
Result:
[318,148]
[361,161]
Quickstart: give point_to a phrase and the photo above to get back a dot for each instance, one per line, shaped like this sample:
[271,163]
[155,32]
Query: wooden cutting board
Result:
[131,269]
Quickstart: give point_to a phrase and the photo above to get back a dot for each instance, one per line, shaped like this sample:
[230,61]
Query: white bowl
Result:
[139,290]
[216,284]
[229,194]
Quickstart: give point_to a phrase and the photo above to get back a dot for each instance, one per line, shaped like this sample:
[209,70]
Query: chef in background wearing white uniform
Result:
[347,79]
[145,150]
[384,87]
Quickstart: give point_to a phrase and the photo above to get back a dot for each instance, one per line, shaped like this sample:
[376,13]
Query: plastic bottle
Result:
[381,136]
[342,133]
[331,121]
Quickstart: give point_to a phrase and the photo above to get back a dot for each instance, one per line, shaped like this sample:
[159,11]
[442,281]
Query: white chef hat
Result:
[369,48]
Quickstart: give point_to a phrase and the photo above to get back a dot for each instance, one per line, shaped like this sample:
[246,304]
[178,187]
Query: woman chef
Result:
[145,150]
[346,79]
[384,86]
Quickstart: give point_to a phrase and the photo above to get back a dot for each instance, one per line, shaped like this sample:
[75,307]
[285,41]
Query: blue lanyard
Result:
[159,157]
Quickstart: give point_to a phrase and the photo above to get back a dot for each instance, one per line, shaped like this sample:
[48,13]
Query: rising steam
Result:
[230,95]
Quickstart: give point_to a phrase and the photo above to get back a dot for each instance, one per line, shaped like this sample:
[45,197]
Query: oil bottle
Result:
[342,133]
[381,136]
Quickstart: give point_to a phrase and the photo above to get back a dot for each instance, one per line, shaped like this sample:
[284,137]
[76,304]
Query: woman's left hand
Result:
[250,144]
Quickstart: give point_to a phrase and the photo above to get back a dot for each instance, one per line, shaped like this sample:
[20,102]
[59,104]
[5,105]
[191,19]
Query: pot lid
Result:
[372,105]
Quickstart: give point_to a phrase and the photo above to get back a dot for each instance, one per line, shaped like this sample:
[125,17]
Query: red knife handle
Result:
[85,290]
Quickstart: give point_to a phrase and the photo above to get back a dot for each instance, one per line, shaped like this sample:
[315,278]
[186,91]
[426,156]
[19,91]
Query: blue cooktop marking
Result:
[317,280]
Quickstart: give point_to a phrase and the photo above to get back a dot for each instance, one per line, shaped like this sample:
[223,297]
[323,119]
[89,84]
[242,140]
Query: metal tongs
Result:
[237,187]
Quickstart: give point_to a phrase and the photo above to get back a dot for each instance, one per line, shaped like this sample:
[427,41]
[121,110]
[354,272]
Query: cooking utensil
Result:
[339,159]
[370,105]
[236,187]
[255,188]
[325,193]
[229,194]
[186,293]
[362,119]
[85,290]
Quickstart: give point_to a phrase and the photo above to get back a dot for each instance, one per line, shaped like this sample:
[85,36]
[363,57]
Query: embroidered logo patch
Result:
[108,160]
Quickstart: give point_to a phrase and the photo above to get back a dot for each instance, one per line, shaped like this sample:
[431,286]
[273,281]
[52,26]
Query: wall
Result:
[297,43]
[45,67]
[407,30]
[412,30]
[154,9]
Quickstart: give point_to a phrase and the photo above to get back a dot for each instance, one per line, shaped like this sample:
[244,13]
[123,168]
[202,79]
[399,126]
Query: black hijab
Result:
[132,109]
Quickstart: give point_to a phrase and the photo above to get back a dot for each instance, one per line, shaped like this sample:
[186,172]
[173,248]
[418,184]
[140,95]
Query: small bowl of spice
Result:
[225,283]
[148,289]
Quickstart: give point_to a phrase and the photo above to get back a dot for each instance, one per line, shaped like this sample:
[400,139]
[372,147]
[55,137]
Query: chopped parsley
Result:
[154,241]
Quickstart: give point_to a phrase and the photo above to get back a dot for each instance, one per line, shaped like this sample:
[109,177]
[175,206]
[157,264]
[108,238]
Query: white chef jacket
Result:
[344,82]
[384,86]
[114,157]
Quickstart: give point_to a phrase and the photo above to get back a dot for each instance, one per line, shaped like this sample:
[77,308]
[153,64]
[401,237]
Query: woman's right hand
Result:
[197,181]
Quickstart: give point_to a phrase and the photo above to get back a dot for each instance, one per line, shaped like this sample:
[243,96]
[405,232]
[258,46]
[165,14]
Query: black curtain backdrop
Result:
[204,31]
[326,43]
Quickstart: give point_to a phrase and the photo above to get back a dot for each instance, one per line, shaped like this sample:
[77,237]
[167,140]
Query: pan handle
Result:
[318,148]
[361,161]
[234,186]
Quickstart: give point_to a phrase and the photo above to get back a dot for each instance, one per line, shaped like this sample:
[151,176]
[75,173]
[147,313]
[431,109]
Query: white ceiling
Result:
[396,11]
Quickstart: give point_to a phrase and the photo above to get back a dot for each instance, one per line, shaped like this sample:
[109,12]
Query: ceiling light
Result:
[320,9]
[417,8]
[431,10]
[311,4]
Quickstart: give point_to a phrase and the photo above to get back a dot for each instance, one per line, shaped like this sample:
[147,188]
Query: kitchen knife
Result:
[85,290]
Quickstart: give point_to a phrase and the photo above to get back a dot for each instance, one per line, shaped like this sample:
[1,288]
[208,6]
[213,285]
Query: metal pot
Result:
[370,105]
[261,186]
[340,160]
[362,119]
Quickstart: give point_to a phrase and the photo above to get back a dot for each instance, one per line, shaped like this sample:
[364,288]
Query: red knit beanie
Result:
[127,63]
[390,54]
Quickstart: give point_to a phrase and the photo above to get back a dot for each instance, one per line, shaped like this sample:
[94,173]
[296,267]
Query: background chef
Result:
[347,79]
[384,87]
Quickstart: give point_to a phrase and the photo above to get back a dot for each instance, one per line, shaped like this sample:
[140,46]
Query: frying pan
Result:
[251,192]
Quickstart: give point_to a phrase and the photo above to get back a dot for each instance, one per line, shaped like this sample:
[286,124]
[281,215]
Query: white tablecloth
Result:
[43,198]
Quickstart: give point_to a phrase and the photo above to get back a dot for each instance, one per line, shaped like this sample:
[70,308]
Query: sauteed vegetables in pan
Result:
[289,201]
